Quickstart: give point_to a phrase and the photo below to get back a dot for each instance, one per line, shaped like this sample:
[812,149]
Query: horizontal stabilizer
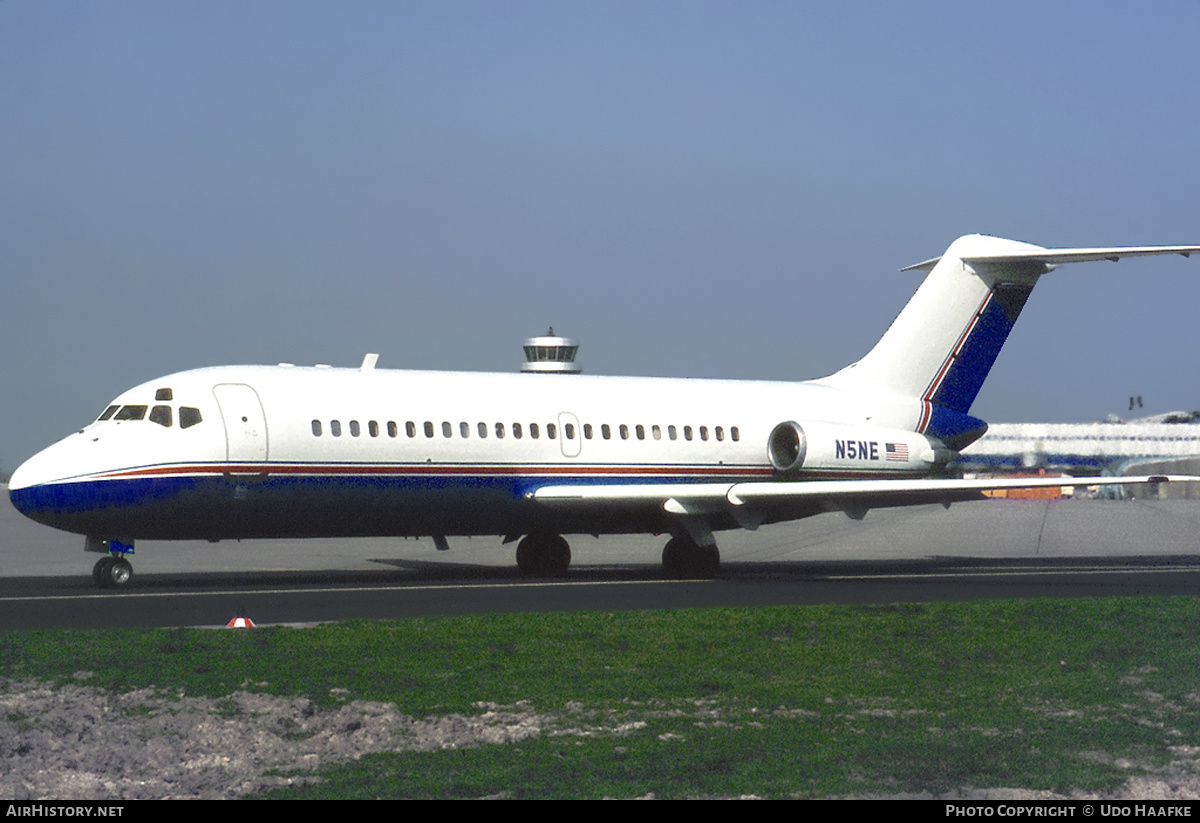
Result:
[1054,257]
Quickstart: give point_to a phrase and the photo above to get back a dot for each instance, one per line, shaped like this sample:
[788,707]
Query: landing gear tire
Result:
[684,560]
[112,572]
[543,555]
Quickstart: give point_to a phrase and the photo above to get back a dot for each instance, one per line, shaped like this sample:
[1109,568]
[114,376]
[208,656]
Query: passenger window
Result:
[516,427]
[624,432]
[671,433]
[316,425]
[354,429]
[393,430]
[704,432]
[447,429]
[500,430]
[551,431]
[373,428]
[464,429]
[587,431]
[656,431]
[109,412]
[605,431]
[483,431]
[687,432]
[190,416]
[569,430]
[161,415]
[733,434]
[720,432]
[131,413]
[641,431]
[533,430]
[335,428]
[428,429]
[410,428]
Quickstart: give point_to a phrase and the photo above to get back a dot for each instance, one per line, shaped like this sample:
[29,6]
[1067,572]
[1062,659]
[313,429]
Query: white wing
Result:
[854,497]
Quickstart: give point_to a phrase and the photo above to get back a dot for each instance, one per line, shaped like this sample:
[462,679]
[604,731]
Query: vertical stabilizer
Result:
[943,344]
[941,347]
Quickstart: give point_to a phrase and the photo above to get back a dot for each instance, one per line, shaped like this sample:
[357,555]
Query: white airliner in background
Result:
[283,451]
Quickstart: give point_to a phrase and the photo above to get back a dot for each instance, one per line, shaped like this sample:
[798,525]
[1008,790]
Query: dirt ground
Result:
[80,743]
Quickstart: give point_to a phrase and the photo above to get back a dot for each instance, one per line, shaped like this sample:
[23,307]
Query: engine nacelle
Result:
[822,447]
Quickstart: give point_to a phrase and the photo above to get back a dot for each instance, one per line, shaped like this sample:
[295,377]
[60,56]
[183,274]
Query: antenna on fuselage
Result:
[551,354]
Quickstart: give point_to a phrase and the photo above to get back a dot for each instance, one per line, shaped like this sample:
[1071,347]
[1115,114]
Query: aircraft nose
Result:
[28,483]
[19,479]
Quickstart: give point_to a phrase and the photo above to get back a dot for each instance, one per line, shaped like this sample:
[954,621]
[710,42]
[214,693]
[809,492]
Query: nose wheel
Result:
[112,572]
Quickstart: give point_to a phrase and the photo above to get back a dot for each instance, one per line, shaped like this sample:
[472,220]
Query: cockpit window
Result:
[161,415]
[163,394]
[131,413]
[188,416]
[109,412]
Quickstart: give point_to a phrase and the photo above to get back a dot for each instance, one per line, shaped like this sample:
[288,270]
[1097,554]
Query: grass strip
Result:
[804,701]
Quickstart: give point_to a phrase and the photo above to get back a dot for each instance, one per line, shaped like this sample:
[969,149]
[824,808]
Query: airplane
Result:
[283,451]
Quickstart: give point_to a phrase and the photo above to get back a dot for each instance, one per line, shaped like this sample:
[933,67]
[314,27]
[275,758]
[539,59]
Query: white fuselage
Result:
[284,450]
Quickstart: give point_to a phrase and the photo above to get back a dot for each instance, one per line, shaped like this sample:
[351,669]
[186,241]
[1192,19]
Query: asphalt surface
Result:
[988,549]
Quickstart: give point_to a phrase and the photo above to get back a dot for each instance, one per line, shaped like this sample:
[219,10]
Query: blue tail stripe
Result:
[977,354]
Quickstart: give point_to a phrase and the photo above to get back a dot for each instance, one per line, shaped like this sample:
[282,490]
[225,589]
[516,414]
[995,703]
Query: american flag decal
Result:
[897,452]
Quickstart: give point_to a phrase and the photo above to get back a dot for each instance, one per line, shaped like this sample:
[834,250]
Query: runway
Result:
[989,549]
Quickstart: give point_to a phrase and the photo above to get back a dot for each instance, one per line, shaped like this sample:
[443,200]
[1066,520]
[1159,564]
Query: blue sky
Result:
[719,189]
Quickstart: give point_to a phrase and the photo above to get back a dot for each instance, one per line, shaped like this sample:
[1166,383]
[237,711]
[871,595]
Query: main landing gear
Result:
[542,554]
[684,559]
[111,571]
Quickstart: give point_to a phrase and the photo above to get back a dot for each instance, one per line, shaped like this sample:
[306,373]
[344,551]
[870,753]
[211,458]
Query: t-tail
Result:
[941,347]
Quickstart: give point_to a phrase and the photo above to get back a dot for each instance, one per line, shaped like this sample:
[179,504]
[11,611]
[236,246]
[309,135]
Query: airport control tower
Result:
[551,354]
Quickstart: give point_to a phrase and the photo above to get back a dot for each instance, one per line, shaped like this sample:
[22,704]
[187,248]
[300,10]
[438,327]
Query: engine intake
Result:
[787,446]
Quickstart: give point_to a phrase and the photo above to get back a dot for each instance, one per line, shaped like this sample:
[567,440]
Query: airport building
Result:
[1164,444]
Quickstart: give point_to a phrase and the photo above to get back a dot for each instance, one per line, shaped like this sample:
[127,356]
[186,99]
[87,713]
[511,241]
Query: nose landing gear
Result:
[111,571]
